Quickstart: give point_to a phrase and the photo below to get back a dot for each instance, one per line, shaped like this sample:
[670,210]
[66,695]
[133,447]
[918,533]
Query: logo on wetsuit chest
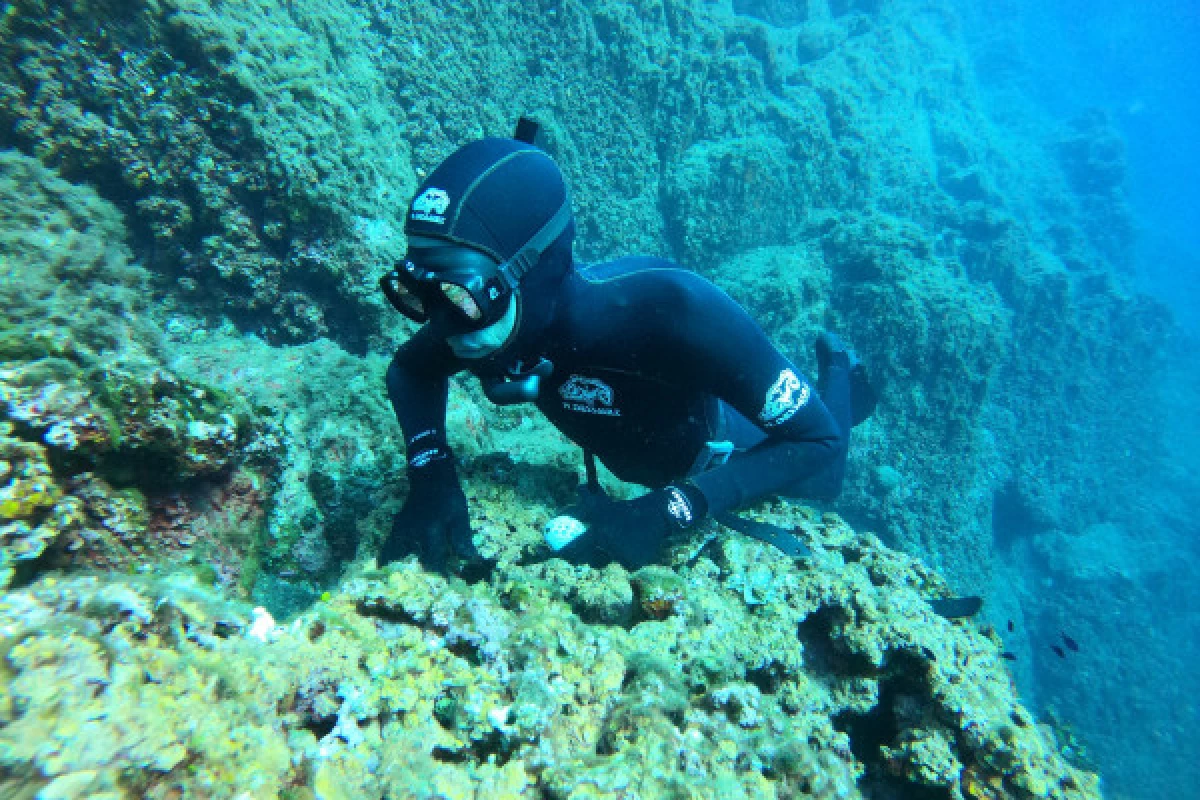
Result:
[786,396]
[431,206]
[588,396]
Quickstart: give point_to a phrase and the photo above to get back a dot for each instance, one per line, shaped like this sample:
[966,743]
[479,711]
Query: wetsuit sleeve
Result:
[418,383]
[720,350]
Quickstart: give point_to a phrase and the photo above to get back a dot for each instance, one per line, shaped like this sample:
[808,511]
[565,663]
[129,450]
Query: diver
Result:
[647,366]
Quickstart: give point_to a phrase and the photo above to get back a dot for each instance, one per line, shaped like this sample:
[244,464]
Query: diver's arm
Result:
[433,523]
[418,387]
[722,351]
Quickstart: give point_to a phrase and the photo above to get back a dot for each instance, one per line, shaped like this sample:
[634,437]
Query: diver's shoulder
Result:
[632,267]
[640,293]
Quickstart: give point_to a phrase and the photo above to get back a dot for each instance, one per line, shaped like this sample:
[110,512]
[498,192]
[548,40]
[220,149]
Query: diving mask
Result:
[462,286]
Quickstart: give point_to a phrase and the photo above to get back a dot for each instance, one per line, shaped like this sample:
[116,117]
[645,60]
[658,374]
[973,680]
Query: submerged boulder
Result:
[744,674]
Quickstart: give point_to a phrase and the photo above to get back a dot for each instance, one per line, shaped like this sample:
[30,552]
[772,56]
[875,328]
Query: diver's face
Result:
[457,289]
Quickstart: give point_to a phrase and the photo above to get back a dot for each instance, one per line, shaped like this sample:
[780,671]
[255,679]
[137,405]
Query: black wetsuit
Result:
[651,362]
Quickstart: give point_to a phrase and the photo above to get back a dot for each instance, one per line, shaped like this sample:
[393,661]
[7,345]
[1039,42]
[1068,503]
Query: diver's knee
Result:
[824,487]
[826,484]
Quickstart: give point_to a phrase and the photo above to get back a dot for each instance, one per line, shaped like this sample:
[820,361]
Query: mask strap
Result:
[513,270]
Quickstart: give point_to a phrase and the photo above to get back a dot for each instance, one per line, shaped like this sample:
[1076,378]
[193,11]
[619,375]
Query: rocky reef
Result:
[262,153]
[110,459]
[736,673]
[196,198]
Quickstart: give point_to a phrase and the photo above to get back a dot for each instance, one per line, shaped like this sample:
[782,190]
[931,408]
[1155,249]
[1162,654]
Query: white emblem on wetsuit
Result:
[786,396]
[431,206]
[426,457]
[588,396]
[678,506]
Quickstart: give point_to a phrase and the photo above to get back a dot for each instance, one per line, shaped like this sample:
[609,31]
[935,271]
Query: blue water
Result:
[1141,63]
[1134,700]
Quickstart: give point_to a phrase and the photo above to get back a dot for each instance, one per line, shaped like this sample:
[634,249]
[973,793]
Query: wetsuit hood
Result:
[496,196]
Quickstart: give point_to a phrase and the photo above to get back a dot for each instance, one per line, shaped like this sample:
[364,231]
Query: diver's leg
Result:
[833,353]
[745,435]
[836,383]
[735,428]
[833,386]
[834,363]
[840,376]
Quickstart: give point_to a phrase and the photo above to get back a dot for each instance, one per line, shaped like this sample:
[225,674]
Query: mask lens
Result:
[402,299]
[461,299]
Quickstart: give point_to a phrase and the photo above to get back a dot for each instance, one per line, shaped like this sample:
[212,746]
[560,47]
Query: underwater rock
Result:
[111,459]
[838,683]
[34,510]
[133,422]
[154,104]
[257,158]
[1092,152]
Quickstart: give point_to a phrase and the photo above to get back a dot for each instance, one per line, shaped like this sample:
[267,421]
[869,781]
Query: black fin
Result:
[528,131]
[863,397]
[957,607]
[765,532]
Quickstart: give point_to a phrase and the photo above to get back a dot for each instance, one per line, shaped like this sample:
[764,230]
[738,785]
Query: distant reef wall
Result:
[826,162]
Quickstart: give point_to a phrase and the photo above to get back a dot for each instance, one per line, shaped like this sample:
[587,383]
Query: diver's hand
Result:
[630,532]
[433,524]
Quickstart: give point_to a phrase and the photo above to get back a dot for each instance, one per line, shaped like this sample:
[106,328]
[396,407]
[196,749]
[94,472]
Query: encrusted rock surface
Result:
[107,457]
[828,164]
[739,674]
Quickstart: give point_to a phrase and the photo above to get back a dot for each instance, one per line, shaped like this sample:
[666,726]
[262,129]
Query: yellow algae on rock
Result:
[926,757]
[763,680]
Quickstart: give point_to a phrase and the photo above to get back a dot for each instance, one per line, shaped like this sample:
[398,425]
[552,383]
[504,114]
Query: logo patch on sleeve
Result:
[786,396]
[679,507]
[431,206]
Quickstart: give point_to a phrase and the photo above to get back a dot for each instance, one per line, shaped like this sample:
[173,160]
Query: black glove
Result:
[433,523]
[630,532]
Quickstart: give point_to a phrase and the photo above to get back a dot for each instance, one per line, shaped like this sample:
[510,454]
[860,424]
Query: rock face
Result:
[741,675]
[110,458]
[263,154]
[197,199]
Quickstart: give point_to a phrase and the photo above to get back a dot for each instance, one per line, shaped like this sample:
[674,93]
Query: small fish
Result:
[1058,651]
[956,607]
[1007,656]
[1071,644]
[1011,627]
